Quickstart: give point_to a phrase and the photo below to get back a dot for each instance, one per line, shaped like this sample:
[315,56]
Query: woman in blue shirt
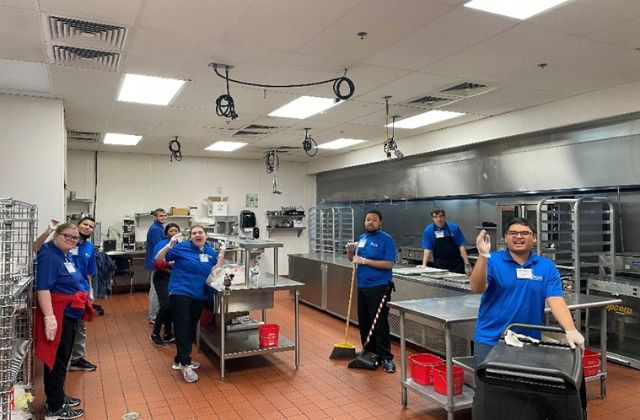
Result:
[62,300]
[193,261]
[375,257]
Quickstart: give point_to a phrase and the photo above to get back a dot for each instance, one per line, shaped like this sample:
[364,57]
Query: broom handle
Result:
[353,279]
[375,319]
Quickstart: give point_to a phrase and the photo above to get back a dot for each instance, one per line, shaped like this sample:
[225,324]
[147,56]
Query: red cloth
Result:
[46,349]
[161,265]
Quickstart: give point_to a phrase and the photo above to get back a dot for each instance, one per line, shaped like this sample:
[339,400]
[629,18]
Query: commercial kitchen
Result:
[426,104]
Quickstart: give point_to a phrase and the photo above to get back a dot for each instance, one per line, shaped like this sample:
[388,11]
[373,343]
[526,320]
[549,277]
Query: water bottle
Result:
[254,275]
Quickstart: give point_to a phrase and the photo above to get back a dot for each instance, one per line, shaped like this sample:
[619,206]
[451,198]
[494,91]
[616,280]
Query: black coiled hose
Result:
[174,148]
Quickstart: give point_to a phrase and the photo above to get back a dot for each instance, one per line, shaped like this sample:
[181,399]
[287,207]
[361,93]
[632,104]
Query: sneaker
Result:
[71,401]
[389,366]
[193,365]
[188,373]
[169,338]
[65,412]
[151,322]
[156,340]
[82,364]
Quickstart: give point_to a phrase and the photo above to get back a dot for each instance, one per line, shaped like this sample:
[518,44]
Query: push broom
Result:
[346,350]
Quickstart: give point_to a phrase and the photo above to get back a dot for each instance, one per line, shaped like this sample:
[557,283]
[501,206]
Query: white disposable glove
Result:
[174,239]
[350,246]
[50,327]
[53,224]
[421,266]
[91,296]
[483,243]
[216,271]
[574,338]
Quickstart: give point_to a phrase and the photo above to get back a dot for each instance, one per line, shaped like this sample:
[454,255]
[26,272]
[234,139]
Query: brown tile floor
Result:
[133,375]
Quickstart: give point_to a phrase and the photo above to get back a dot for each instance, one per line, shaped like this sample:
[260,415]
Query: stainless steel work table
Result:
[245,343]
[457,314]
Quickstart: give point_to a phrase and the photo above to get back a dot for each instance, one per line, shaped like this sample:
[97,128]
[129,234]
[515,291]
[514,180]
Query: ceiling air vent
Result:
[83,136]
[431,101]
[249,133]
[111,35]
[261,127]
[467,90]
[83,56]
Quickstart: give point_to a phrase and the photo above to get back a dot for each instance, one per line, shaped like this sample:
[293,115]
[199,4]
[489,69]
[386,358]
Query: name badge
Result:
[204,258]
[362,243]
[70,267]
[524,273]
[439,233]
[74,251]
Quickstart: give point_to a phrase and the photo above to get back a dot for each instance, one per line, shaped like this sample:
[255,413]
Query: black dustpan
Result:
[366,359]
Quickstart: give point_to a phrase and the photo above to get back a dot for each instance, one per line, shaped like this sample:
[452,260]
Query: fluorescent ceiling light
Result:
[340,143]
[304,107]
[121,139]
[148,89]
[225,146]
[517,9]
[426,118]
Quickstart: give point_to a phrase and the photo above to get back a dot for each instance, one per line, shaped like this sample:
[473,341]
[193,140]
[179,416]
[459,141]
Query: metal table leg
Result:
[449,361]
[223,313]
[296,309]
[403,360]
[603,351]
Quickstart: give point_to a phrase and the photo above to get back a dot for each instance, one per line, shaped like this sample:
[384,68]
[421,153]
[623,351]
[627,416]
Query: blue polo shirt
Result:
[429,235]
[84,258]
[190,269]
[375,246]
[154,235]
[159,246]
[53,275]
[513,296]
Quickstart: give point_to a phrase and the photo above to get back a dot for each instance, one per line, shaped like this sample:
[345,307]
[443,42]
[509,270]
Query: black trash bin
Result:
[533,382]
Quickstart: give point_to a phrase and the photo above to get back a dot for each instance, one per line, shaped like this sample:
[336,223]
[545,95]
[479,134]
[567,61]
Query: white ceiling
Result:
[413,48]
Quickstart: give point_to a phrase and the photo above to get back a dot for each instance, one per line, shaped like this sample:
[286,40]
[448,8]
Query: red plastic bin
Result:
[268,335]
[590,358]
[440,379]
[591,370]
[421,367]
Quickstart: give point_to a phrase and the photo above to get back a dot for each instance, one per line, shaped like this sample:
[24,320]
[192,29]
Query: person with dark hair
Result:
[374,256]
[154,235]
[161,274]
[62,299]
[515,283]
[84,257]
[445,241]
[193,261]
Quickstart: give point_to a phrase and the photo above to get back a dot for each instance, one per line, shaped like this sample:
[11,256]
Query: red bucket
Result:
[268,334]
[421,367]
[590,358]
[440,379]
[591,370]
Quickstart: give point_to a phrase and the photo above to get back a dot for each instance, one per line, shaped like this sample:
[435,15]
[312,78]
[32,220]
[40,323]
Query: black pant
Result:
[369,299]
[54,379]
[161,283]
[186,313]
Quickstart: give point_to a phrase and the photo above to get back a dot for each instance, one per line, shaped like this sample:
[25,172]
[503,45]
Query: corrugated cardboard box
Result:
[179,211]
[217,205]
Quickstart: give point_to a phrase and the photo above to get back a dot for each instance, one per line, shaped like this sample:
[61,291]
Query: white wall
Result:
[137,183]
[33,153]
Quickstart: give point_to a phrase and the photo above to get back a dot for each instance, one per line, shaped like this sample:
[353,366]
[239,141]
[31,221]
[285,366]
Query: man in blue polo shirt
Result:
[445,241]
[515,283]
[374,255]
[155,234]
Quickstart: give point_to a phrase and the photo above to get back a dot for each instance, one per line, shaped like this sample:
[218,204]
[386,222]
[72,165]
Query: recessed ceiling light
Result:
[517,9]
[148,89]
[340,143]
[225,146]
[121,139]
[304,107]
[426,118]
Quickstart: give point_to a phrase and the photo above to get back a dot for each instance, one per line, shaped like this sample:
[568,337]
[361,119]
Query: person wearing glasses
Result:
[62,299]
[515,284]
[193,261]
[445,241]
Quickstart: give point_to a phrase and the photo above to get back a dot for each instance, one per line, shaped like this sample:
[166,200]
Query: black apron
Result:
[446,254]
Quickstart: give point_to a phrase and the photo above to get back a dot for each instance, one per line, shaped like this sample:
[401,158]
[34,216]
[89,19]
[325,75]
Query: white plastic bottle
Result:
[254,274]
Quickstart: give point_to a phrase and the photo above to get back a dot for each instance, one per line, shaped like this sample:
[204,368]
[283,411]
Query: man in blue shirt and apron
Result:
[446,242]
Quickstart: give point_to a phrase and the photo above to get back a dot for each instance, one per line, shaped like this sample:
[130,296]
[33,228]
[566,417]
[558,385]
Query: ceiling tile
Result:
[24,76]
[75,82]
[20,35]
[123,12]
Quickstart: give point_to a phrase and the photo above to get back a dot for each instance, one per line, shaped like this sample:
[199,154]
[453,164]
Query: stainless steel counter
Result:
[131,271]
[457,316]
[245,342]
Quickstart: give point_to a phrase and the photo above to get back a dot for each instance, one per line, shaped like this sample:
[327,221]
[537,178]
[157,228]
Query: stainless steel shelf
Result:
[243,343]
[299,229]
[460,402]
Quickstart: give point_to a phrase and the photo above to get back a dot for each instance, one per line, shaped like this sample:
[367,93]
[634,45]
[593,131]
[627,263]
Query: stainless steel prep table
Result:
[137,275]
[457,315]
[245,343]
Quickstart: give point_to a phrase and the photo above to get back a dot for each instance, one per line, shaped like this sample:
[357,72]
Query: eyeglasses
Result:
[523,233]
[70,237]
